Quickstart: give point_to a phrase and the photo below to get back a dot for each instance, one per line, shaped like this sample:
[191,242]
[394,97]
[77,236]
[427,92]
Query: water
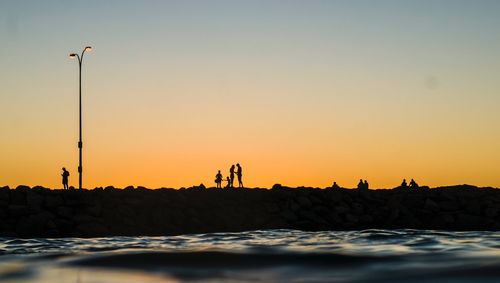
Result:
[258,256]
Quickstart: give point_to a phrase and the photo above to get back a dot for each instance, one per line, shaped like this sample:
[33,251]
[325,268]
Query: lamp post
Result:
[80,144]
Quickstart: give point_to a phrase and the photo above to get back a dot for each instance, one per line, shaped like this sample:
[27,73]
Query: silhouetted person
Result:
[361,185]
[231,176]
[65,176]
[239,174]
[228,182]
[335,186]
[365,185]
[413,184]
[218,179]
[404,184]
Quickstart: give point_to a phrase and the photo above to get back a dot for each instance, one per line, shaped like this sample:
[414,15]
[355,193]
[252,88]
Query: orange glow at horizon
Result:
[300,93]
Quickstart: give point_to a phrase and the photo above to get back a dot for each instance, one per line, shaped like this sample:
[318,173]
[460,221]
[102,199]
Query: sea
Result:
[258,256]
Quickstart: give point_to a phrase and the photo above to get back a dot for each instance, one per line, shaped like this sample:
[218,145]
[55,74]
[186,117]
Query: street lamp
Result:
[80,144]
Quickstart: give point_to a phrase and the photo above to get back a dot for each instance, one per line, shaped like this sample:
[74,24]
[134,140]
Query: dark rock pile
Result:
[40,212]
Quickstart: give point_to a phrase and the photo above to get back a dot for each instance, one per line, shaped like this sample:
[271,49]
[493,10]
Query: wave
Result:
[259,256]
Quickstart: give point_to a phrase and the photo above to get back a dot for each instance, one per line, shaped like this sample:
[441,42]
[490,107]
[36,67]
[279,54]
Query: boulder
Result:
[341,209]
[53,201]
[18,210]
[491,212]
[289,216]
[351,218]
[473,207]
[18,197]
[33,225]
[431,205]
[34,200]
[277,186]
[92,229]
[65,212]
[448,205]
[467,221]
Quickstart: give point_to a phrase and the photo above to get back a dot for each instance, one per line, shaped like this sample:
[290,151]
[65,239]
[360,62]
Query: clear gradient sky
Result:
[298,92]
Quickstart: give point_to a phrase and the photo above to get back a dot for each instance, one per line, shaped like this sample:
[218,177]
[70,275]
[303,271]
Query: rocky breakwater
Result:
[41,212]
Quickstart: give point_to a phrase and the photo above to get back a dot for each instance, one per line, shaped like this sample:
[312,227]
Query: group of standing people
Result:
[230,178]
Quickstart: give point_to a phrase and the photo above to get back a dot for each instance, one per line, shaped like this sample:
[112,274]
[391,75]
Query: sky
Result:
[301,93]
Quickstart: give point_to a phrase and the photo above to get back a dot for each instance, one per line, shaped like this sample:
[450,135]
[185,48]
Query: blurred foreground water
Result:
[258,256]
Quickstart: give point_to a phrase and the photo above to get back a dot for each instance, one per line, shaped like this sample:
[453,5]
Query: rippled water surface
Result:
[258,256]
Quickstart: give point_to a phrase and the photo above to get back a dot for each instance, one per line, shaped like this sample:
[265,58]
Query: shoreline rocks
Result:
[41,212]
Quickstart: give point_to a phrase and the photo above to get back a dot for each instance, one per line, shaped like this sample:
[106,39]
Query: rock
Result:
[466,221]
[4,194]
[34,225]
[94,210]
[352,219]
[491,212]
[442,221]
[22,188]
[92,229]
[34,201]
[53,201]
[40,212]
[334,218]
[315,200]
[83,218]
[289,216]
[65,212]
[367,219]
[18,197]
[4,204]
[63,226]
[277,186]
[293,206]
[18,210]
[308,215]
[321,210]
[272,208]
[357,208]
[473,207]
[304,201]
[448,205]
[341,209]
[431,205]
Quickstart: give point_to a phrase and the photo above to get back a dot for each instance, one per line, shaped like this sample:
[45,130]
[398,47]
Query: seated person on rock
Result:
[404,184]
[361,185]
[413,184]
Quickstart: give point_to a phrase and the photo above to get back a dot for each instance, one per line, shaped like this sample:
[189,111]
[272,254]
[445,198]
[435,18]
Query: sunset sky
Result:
[298,92]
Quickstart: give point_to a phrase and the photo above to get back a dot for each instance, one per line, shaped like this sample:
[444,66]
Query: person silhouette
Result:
[228,182]
[239,174]
[335,186]
[413,184]
[404,184]
[361,184]
[218,179]
[231,176]
[65,176]
[365,185]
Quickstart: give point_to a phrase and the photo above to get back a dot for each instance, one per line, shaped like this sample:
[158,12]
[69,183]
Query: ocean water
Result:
[258,256]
